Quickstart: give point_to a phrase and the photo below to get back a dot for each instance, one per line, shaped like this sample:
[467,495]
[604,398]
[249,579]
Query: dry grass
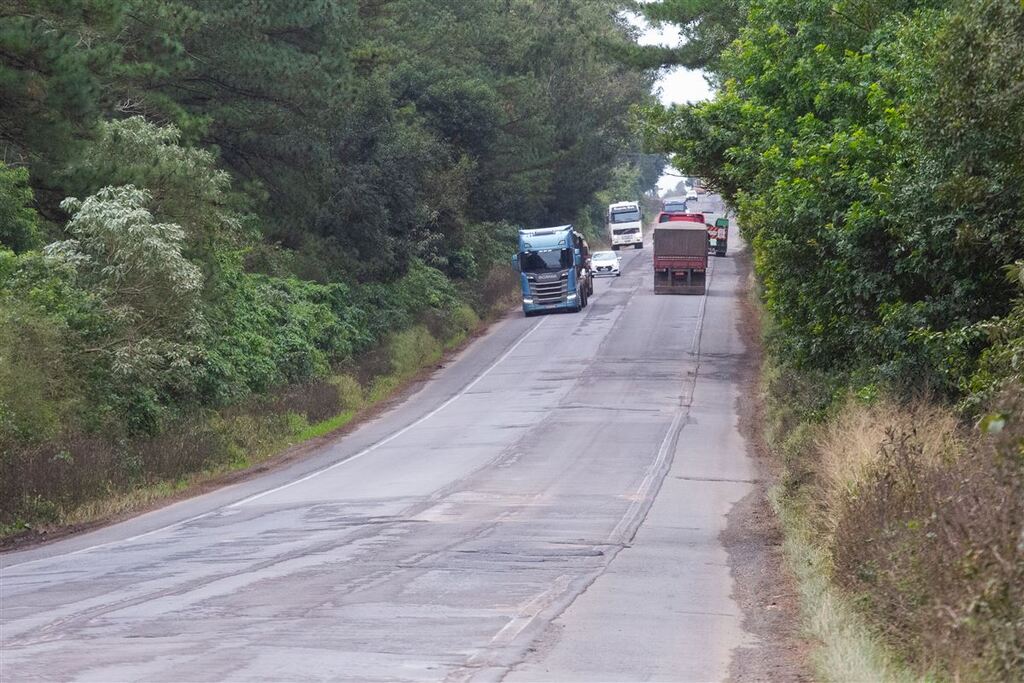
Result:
[905,527]
[931,542]
[849,650]
[848,449]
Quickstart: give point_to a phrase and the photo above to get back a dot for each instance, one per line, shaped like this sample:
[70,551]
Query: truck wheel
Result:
[615,247]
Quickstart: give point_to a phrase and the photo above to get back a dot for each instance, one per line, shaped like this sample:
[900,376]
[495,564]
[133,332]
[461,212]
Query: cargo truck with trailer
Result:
[680,257]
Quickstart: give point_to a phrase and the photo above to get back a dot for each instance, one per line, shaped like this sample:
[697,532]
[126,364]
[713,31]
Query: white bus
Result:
[625,225]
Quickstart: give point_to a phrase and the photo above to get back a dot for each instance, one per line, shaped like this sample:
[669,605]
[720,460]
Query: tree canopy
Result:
[204,201]
[873,151]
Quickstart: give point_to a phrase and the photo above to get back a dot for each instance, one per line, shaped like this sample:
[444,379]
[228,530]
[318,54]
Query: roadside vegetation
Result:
[875,155]
[226,227]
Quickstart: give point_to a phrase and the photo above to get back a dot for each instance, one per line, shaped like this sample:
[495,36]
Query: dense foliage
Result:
[875,153]
[203,201]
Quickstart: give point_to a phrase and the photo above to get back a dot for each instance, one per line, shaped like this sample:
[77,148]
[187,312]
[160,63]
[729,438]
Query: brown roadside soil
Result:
[764,587]
[35,537]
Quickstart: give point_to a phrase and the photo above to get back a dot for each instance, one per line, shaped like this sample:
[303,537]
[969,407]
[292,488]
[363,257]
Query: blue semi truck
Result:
[554,269]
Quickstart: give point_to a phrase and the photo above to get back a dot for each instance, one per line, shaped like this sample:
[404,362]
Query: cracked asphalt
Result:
[548,506]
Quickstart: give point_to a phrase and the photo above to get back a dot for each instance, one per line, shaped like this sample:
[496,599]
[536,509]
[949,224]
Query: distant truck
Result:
[554,270]
[718,236]
[718,232]
[625,225]
[681,255]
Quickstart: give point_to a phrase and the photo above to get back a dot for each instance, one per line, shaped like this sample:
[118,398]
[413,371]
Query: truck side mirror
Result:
[515,261]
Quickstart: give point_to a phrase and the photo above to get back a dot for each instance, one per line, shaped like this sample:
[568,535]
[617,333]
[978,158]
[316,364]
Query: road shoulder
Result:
[764,586]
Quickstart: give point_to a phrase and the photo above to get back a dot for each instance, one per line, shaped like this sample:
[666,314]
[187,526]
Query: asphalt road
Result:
[547,507]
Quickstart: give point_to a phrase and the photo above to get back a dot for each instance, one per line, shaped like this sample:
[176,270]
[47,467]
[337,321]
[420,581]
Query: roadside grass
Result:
[799,413]
[849,449]
[848,650]
[903,525]
[245,436]
[324,427]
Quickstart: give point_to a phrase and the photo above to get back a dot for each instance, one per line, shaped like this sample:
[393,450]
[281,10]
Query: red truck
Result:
[680,254]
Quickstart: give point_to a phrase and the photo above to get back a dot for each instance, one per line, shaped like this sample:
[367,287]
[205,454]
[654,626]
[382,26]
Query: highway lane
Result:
[546,507]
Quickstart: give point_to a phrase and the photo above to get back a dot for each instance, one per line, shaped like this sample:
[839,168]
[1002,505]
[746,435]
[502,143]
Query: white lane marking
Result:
[120,541]
[400,432]
[368,449]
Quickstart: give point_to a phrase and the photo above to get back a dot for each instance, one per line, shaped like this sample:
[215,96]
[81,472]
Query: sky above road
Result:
[676,85]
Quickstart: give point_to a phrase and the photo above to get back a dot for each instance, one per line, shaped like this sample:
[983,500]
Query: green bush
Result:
[266,331]
[31,373]
[350,392]
[19,223]
[411,350]
[869,157]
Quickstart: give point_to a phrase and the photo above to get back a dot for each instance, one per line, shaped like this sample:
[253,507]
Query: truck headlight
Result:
[571,297]
[527,301]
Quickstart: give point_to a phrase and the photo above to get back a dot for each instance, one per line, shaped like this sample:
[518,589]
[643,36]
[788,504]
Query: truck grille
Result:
[549,292]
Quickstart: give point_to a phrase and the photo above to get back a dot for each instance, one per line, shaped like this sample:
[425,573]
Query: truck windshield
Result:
[630,216]
[545,260]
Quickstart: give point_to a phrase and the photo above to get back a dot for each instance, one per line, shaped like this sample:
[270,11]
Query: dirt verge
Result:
[764,587]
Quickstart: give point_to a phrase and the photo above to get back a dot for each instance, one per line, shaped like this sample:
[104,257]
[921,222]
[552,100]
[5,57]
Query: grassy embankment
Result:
[903,524]
[218,446]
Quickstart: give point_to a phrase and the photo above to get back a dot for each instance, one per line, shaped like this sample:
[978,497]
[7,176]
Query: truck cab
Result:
[625,225]
[554,269]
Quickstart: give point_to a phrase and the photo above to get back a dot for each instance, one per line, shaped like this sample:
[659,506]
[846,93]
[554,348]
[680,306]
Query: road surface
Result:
[547,507]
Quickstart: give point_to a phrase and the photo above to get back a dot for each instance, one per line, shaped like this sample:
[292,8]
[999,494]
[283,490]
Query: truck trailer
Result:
[680,257]
[554,270]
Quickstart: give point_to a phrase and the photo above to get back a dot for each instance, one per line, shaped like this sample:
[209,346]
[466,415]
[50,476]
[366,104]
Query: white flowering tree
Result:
[183,184]
[136,267]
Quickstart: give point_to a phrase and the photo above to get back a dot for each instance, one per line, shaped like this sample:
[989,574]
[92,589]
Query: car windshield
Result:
[545,260]
[629,216]
[604,256]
